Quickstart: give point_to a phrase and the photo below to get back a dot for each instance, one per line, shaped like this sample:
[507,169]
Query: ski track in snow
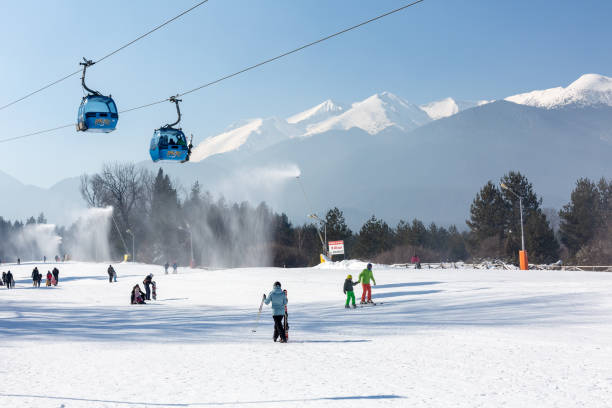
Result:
[442,338]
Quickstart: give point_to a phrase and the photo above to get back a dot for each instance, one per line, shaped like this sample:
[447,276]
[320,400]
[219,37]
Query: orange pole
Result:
[524,264]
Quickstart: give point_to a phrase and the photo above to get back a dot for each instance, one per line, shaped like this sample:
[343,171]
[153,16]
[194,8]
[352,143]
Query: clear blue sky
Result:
[478,49]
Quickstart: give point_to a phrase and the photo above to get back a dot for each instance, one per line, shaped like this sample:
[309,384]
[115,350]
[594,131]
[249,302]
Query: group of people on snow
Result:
[137,297]
[8,280]
[174,267]
[364,278]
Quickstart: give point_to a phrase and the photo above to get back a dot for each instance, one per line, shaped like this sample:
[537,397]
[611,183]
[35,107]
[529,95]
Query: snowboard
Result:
[285,323]
[154,290]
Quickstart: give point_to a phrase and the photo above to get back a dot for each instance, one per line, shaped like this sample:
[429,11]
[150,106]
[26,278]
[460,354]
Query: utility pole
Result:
[524,265]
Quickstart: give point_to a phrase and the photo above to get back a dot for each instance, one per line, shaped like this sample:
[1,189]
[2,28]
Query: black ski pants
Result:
[110,277]
[148,291]
[279,329]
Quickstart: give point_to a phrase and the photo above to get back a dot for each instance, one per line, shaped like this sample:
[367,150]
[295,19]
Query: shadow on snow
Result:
[195,404]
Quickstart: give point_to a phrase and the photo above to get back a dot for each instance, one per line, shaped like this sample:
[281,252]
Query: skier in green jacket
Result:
[364,278]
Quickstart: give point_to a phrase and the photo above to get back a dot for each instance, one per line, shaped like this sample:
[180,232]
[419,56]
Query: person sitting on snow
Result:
[348,291]
[136,297]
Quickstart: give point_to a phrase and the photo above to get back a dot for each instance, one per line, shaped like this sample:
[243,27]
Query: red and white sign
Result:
[336,247]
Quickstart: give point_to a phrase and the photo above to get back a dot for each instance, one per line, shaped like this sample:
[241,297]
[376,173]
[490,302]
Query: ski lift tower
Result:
[324,224]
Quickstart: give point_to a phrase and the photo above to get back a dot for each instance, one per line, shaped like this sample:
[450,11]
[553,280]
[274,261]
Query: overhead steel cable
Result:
[301,48]
[106,56]
[216,81]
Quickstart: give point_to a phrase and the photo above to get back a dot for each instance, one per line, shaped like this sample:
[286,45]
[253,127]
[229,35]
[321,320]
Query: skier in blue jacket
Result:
[279,301]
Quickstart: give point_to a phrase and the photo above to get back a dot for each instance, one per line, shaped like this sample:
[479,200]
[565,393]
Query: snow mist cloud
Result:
[35,241]
[89,235]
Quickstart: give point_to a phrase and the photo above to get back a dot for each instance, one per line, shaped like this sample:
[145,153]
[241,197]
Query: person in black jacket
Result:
[111,273]
[35,276]
[147,284]
[348,291]
[10,282]
[55,273]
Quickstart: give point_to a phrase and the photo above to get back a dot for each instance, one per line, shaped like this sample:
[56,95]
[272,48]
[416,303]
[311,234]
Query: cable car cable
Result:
[216,81]
[106,56]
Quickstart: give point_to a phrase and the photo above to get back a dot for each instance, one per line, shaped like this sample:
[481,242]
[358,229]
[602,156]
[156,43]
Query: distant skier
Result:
[279,301]
[111,274]
[45,259]
[174,267]
[10,282]
[18,261]
[349,292]
[364,277]
[166,266]
[147,284]
[416,261]
[3,278]
[55,273]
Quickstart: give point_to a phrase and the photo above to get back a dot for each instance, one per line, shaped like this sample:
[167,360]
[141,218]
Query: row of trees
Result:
[584,234]
[150,216]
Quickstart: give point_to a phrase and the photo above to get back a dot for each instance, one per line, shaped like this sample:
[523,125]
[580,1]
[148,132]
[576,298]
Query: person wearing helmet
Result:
[348,291]
[364,277]
[279,300]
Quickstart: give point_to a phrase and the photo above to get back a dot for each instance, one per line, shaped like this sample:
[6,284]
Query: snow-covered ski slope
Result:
[442,338]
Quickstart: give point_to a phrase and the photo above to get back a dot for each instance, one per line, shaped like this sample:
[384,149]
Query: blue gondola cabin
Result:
[97,113]
[169,144]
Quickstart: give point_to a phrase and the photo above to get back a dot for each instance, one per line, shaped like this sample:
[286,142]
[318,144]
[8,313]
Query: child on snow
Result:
[348,291]
[136,297]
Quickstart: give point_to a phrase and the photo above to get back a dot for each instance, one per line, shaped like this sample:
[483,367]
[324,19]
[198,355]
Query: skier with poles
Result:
[278,298]
[364,277]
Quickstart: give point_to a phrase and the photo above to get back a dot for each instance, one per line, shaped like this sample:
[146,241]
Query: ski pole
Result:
[258,314]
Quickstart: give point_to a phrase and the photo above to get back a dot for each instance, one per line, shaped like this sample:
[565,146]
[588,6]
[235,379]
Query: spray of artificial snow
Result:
[89,236]
[248,235]
[36,241]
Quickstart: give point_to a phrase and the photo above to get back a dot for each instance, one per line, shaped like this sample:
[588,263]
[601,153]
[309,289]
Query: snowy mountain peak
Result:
[374,114]
[589,89]
[255,135]
[441,109]
[449,107]
[317,113]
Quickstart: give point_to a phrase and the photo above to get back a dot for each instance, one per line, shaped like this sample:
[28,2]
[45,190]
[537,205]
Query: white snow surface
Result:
[442,338]
[589,89]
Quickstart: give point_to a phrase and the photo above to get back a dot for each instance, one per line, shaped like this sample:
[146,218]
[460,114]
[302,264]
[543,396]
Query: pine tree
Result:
[374,237]
[336,225]
[488,214]
[582,216]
